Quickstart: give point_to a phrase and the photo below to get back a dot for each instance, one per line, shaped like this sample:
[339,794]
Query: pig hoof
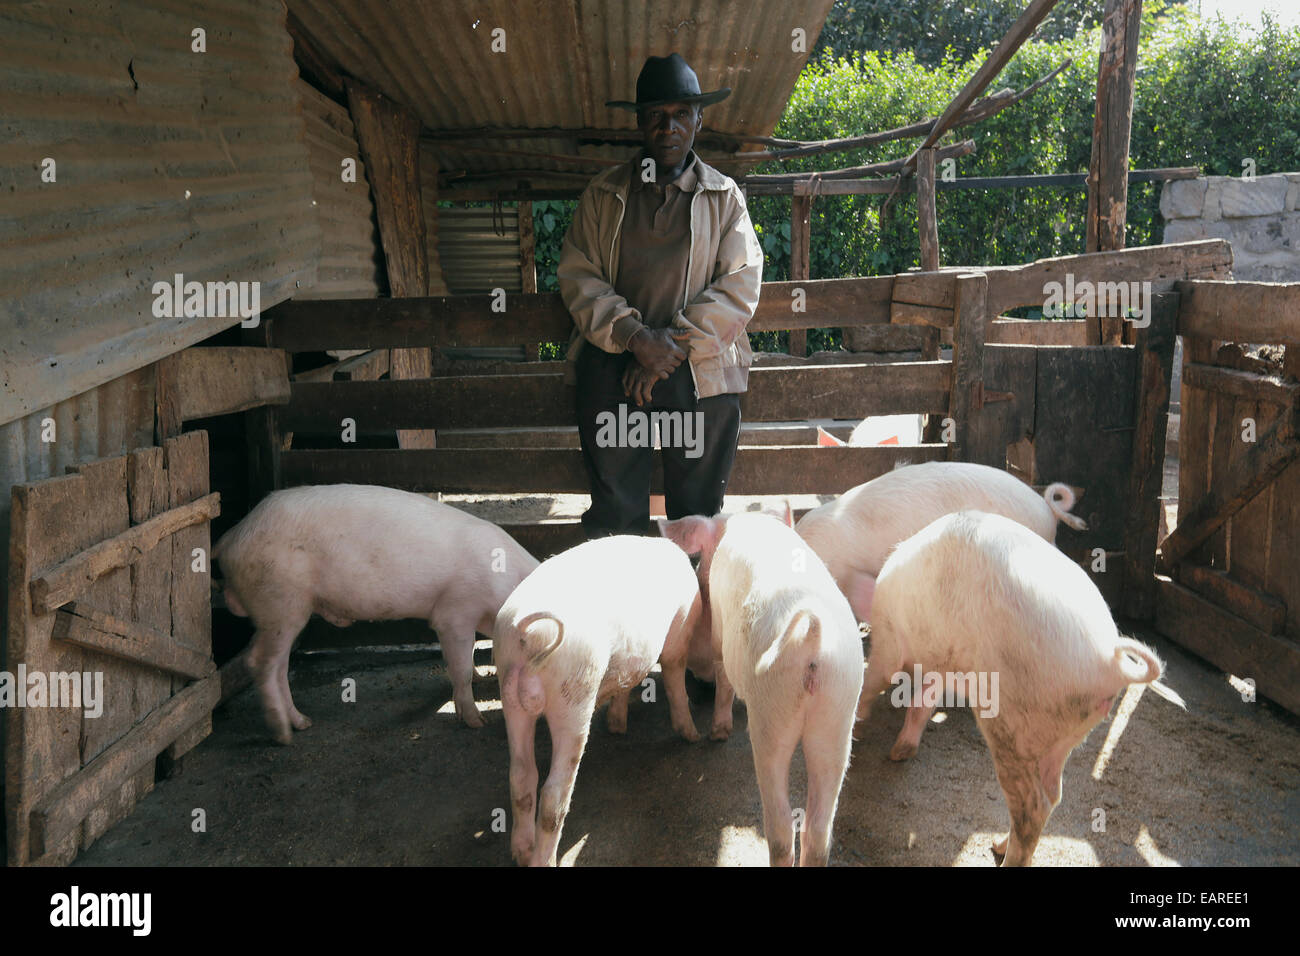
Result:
[720,732]
[902,751]
[1000,849]
[689,733]
[300,721]
[470,716]
[616,725]
[284,737]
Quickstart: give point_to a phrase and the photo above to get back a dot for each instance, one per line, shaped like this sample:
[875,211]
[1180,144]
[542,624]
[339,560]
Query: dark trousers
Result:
[695,476]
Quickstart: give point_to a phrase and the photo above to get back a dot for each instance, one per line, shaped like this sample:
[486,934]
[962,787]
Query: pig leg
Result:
[672,662]
[918,715]
[297,719]
[773,747]
[826,755]
[723,697]
[860,588]
[616,716]
[269,652]
[875,681]
[1026,798]
[521,729]
[569,731]
[456,635]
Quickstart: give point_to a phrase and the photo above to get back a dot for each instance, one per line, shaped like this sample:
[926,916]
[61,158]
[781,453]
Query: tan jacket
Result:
[722,287]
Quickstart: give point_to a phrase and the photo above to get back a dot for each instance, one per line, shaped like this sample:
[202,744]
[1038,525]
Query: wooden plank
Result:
[1011,287]
[767,470]
[892,184]
[1240,311]
[937,289]
[68,579]
[1009,425]
[1196,418]
[187,478]
[542,400]
[1250,530]
[167,398]
[965,402]
[1230,643]
[1037,332]
[1019,32]
[364,367]
[1155,350]
[927,223]
[1275,449]
[66,805]
[1260,610]
[886,338]
[905,313]
[388,138]
[527,248]
[219,381]
[262,437]
[1280,577]
[467,320]
[126,640]
[1112,122]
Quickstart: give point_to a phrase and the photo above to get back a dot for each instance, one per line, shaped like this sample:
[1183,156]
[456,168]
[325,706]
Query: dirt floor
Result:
[393,779]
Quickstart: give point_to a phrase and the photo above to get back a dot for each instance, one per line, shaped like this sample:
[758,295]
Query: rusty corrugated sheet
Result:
[168,161]
[563,59]
[479,249]
[350,259]
[105,421]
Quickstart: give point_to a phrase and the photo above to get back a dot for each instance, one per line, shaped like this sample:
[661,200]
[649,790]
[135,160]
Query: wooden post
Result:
[966,400]
[1155,350]
[388,136]
[528,265]
[800,253]
[167,399]
[1112,124]
[927,224]
[262,435]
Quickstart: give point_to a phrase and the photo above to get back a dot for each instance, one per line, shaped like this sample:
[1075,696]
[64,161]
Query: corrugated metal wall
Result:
[475,256]
[350,259]
[168,161]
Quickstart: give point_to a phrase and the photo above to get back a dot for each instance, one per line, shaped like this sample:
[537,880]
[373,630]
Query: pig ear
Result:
[789,514]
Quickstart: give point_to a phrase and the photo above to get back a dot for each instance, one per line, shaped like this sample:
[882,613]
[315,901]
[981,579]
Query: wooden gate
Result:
[1232,593]
[108,582]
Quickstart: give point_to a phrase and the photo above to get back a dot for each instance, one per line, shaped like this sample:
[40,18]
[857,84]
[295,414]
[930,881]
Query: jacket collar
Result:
[618,179]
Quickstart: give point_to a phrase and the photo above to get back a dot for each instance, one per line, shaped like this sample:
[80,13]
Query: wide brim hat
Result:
[668,79]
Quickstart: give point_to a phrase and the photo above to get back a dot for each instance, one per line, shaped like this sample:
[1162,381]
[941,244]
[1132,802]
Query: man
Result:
[661,271]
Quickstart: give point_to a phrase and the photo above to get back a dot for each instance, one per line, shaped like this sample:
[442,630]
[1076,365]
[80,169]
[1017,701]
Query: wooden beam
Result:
[896,184]
[964,148]
[128,640]
[63,808]
[388,137]
[768,470]
[1037,332]
[966,400]
[1023,285]
[1251,386]
[219,381]
[68,579]
[1155,348]
[800,253]
[1240,311]
[927,223]
[315,66]
[543,400]
[1020,31]
[367,365]
[1228,642]
[1112,123]
[1260,610]
[905,313]
[1246,477]
[167,399]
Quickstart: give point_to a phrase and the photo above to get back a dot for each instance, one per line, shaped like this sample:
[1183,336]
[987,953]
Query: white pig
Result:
[585,628]
[854,533]
[789,647]
[976,597]
[364,553]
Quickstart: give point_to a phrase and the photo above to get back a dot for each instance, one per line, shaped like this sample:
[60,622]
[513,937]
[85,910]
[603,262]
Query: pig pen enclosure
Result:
[177,430]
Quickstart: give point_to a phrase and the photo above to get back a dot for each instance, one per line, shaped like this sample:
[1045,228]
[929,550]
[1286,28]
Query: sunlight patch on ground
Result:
[1116,729]
[570,858]
[1051,851]
[1145,844]
[741,846]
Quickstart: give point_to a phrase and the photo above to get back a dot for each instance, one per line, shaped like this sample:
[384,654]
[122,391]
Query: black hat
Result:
[668,79]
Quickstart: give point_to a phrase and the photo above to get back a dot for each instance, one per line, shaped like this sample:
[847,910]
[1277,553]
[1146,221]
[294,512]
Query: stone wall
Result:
[1260,217]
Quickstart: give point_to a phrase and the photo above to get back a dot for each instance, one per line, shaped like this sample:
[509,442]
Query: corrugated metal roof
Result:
[563,59]
[479,249]
[349,258]
[168,161]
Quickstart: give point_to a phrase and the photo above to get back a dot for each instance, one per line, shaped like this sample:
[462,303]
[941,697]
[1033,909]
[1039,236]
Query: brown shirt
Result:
[656,245]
